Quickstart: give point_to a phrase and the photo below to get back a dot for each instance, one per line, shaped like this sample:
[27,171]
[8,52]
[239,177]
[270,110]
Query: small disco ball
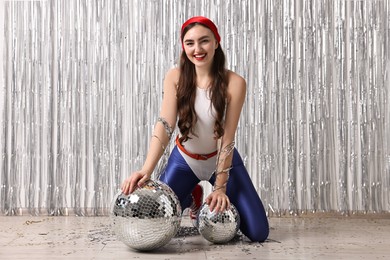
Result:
[147,218]
[218,227]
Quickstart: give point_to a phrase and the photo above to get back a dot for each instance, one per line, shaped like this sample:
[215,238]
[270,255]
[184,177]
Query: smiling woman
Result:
[205,99]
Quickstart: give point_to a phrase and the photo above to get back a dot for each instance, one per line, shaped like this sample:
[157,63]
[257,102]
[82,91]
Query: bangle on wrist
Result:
[217,187]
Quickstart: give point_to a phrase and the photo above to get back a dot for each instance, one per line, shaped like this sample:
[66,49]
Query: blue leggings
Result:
[240,190]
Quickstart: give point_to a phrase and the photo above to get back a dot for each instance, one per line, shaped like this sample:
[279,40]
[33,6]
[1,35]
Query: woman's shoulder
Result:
[171,79]
[236,87]
[235,79]
[173,75]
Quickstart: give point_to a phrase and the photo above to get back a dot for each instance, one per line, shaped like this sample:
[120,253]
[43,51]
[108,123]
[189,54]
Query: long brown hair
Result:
[186,91]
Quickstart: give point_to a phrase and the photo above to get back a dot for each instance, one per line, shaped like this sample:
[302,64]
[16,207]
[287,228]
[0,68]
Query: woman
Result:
[205,100]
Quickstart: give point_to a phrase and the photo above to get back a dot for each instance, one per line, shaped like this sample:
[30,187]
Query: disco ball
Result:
[218,227]
[147,218]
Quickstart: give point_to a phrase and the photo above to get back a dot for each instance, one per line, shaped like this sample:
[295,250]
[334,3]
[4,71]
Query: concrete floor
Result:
[310,237]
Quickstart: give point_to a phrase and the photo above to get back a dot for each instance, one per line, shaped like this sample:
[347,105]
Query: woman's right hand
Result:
[135,180]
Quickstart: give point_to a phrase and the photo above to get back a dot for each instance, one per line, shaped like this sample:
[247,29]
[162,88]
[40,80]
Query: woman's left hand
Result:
[218,201]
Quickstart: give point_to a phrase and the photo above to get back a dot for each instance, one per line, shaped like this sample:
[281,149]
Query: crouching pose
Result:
[205,100]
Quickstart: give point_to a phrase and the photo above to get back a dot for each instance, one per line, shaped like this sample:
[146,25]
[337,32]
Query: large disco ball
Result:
[218,227]
[147,218]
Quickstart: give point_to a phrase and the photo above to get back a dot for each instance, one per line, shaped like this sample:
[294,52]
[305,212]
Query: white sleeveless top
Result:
[203,142]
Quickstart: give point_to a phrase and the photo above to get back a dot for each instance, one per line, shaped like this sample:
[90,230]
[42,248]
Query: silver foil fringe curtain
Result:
[81,86]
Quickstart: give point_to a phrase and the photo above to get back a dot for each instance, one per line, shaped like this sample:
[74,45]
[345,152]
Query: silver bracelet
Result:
[167,127]
[216,187]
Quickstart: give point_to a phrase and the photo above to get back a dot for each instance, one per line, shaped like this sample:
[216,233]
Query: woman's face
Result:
[199,45]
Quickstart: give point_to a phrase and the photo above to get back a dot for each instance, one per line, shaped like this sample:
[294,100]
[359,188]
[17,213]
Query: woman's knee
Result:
[258,234]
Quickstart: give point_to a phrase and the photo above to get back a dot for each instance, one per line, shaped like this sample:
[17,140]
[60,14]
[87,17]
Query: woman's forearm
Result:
[224,162]
[157,145]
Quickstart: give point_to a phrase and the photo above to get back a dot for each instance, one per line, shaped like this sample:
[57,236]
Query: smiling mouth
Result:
[200,56]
